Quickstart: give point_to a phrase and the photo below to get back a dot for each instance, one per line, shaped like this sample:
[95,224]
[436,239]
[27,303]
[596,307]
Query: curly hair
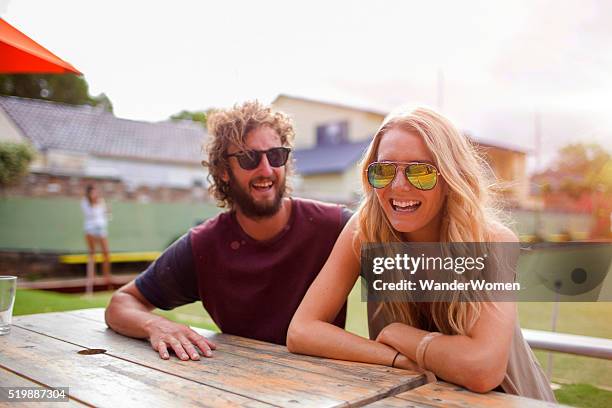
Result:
[231,126]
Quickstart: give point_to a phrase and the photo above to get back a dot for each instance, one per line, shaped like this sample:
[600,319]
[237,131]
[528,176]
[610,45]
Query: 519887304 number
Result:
[34,394]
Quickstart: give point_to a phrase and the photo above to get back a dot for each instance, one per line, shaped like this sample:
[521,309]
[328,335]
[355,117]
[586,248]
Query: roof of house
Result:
[338,158]
[503,145]
[329,158]
[352,103]
[341,102]
[87,129]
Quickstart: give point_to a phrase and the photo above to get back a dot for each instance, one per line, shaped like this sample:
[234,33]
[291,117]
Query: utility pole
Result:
[537,129]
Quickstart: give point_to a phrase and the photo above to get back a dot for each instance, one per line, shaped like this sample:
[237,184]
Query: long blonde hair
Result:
[467,215]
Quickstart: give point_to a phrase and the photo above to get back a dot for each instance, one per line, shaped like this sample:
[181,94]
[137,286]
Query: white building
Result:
[331,137]
[85,141]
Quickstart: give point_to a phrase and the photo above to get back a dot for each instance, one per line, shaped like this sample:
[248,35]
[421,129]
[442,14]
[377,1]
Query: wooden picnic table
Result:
[102,368]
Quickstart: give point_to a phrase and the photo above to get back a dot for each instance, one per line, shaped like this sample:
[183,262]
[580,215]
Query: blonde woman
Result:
[476,345]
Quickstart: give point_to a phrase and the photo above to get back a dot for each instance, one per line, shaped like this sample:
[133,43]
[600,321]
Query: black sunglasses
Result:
[250,159]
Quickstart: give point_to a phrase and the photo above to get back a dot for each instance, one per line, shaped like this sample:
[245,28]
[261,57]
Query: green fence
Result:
[551,222]
[56,224]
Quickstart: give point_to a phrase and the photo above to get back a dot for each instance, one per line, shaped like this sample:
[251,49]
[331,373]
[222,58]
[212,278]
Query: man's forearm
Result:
[127,316]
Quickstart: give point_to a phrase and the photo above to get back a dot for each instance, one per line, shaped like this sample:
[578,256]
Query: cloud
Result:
[562,49]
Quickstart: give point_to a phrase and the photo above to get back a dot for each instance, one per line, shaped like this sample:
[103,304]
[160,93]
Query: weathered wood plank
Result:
[381,376]
[393,379]
[96,313]
[274,383]
[447,395]
[104,380]
[10,379]
[394,402]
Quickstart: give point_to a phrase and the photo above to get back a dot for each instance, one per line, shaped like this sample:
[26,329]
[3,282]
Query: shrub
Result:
[15,158]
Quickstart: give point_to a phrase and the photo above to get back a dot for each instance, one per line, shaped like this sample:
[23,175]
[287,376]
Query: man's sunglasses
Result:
[423,176]
[250,159]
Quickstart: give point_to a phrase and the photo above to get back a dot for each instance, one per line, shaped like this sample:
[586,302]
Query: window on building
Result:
[332,133]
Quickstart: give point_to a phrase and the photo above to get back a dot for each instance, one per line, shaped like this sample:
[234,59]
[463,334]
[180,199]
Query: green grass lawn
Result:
[579,376]
[36,301]
[587,319]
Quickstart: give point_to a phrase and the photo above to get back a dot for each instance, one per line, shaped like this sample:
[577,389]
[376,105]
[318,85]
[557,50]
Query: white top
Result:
[95,216]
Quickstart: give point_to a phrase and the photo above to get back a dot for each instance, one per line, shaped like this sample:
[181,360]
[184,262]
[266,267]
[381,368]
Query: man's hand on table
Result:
[165,334]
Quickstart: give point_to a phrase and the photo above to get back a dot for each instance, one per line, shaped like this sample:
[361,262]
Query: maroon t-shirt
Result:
[250,288]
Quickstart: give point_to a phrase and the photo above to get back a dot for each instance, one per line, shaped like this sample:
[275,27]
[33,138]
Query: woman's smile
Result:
[405,206]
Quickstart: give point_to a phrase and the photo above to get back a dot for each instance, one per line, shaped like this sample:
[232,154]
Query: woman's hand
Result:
[383,336]
[401,361]
[402,337]
[405,363]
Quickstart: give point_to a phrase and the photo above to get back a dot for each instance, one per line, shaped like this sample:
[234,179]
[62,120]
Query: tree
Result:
[15,159]
[586,162]
[196,116]
[65,88]
[581,168]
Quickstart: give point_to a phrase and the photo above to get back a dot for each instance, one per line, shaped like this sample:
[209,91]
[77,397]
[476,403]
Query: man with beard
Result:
[251,265]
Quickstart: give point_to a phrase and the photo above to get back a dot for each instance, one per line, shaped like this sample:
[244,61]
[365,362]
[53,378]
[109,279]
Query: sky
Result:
[491,66]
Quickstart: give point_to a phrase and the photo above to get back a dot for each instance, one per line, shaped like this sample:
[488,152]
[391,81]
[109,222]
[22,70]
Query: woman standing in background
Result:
[96,233]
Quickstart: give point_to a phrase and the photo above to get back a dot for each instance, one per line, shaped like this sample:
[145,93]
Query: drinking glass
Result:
[8,286]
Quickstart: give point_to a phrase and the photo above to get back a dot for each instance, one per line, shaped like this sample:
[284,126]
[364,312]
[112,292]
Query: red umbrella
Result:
[19,54]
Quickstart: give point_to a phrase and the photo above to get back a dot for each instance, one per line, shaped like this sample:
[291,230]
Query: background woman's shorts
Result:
[97,231]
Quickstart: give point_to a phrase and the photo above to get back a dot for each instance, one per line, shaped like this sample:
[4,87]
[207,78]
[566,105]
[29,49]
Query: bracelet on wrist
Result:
[394,359]
[422,348]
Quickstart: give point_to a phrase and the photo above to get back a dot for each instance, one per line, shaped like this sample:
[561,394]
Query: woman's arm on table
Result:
[311,331]
[478,360]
